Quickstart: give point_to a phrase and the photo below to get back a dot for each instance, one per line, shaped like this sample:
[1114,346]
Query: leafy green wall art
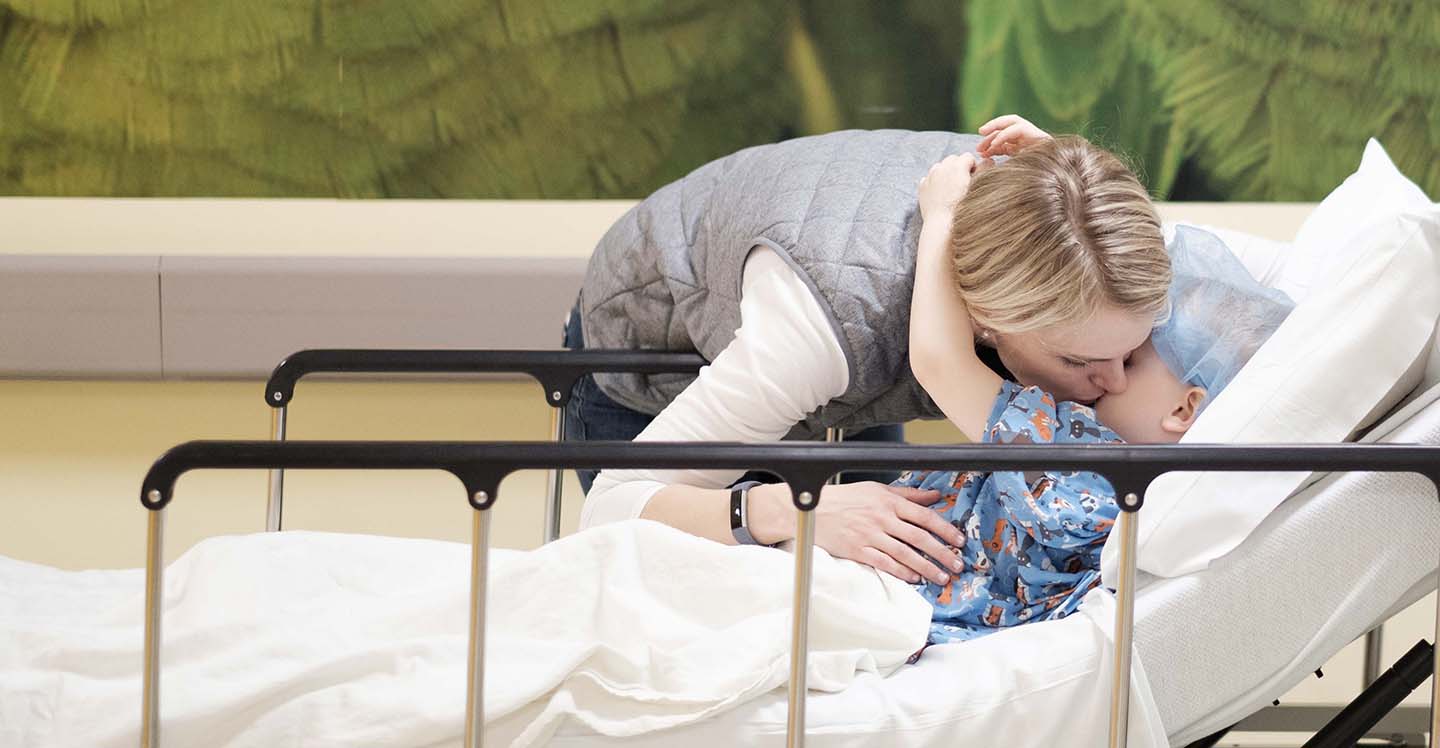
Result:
[1209,99]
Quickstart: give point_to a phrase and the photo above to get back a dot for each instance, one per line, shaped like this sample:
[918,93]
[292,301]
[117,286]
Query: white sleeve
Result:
[784,362]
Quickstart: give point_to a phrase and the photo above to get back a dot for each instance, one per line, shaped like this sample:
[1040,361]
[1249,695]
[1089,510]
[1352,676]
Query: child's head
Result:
[1219,316]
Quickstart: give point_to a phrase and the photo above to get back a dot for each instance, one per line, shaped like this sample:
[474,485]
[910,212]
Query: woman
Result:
[791,266]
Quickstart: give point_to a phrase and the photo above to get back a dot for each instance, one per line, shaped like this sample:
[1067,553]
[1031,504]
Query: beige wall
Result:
[72,453]
[75,453]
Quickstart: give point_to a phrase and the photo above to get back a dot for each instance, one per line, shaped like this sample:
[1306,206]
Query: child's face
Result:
[1156,407]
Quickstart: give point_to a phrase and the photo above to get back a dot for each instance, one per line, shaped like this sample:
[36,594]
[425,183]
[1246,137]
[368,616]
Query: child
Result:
[1033,541]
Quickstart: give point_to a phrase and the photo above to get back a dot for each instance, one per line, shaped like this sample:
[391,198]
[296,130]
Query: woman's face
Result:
[1078,362]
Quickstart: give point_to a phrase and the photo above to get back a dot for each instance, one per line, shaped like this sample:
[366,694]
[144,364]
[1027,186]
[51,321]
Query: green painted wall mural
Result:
[1210,99]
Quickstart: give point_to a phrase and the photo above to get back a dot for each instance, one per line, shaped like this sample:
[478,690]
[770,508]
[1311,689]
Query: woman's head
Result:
[1059,256]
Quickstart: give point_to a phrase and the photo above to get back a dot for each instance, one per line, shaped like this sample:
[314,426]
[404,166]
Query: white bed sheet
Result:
[1217,645]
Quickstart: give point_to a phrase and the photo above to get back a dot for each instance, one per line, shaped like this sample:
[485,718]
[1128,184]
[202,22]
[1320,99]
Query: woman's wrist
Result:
[769,523]
[933,245]
[937,225]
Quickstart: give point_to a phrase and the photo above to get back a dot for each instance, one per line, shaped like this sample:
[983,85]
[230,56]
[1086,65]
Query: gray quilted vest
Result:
[839,207]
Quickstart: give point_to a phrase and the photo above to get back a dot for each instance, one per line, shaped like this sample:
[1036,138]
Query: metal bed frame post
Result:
[154,604]
[555,477]
[800,619]
[1127,526]
[1435,659]
[805,504]
[275,496]
[1374,638]
[479,573]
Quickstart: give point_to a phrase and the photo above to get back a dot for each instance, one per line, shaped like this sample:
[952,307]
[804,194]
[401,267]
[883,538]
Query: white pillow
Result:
[1355,344]
[1329,237]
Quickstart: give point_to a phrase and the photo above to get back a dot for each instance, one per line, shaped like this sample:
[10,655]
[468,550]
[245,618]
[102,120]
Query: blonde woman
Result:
[791,267]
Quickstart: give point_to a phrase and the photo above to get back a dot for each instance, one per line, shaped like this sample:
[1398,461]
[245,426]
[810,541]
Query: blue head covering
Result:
[1219,314]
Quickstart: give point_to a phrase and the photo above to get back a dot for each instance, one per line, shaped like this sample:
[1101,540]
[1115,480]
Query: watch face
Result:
[738,515]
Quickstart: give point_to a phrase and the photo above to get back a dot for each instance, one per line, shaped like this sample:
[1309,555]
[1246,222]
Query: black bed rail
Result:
[480,467]
[557,371]
[806,466]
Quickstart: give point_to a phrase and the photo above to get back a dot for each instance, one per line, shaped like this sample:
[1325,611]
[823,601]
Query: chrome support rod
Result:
[835,435]
[1128,527]
[1374,639]
[556,478]
[1435,676]
[800,623]
[154,604]
[475,687]
[800,611]
[274,505]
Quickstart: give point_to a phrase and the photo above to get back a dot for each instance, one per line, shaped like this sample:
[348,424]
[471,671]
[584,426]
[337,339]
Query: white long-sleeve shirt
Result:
[784,362]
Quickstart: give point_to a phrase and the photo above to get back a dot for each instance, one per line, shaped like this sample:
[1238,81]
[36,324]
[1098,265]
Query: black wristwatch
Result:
[739,513]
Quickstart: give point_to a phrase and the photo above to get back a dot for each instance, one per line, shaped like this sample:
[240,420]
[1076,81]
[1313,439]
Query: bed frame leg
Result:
[800,608]
[800,623]
[475,688]
[154,605]
[556,479]
[1374,638]
[835,435]
[1435,679]
[1128,527]
[275,501]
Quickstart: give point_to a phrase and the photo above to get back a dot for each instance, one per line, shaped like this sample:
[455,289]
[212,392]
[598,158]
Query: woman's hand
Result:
[887,527]
[944,186]
[1008,134]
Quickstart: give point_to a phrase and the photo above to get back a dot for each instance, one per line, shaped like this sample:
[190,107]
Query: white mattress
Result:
[1216,645]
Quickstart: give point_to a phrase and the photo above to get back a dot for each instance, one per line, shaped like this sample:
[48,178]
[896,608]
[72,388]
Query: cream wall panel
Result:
[72,455]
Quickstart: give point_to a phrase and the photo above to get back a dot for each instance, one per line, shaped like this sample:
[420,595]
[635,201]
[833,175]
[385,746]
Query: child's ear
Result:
[1182,417]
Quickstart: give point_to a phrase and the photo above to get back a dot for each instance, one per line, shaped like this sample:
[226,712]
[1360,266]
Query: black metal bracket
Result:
[1386,693]
[557,370]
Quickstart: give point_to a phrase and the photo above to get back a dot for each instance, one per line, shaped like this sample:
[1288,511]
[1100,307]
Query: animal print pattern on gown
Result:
[1032,541]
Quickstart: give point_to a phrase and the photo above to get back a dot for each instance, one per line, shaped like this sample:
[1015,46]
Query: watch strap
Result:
[739,513]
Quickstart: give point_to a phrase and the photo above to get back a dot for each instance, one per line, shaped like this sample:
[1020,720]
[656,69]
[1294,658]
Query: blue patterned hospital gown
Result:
[1032,541]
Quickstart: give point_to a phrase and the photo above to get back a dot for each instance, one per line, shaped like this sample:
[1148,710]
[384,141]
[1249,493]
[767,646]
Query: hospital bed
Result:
[1214,654]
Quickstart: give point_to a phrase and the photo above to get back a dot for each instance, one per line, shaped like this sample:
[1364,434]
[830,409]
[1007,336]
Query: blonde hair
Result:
[1055,233]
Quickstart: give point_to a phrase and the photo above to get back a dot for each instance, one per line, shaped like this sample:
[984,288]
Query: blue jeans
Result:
[591,414]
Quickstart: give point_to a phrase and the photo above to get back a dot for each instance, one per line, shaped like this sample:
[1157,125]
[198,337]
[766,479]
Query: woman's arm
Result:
[942,349]
[783,363]
[752,392]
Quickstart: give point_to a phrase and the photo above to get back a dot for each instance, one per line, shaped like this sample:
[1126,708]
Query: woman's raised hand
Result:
[1008,134]
[887,527]
[945,185]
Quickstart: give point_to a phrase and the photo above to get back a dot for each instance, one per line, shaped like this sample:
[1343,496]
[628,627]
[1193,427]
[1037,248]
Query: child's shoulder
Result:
[1022,414]
[1030,414]
[1079,425]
